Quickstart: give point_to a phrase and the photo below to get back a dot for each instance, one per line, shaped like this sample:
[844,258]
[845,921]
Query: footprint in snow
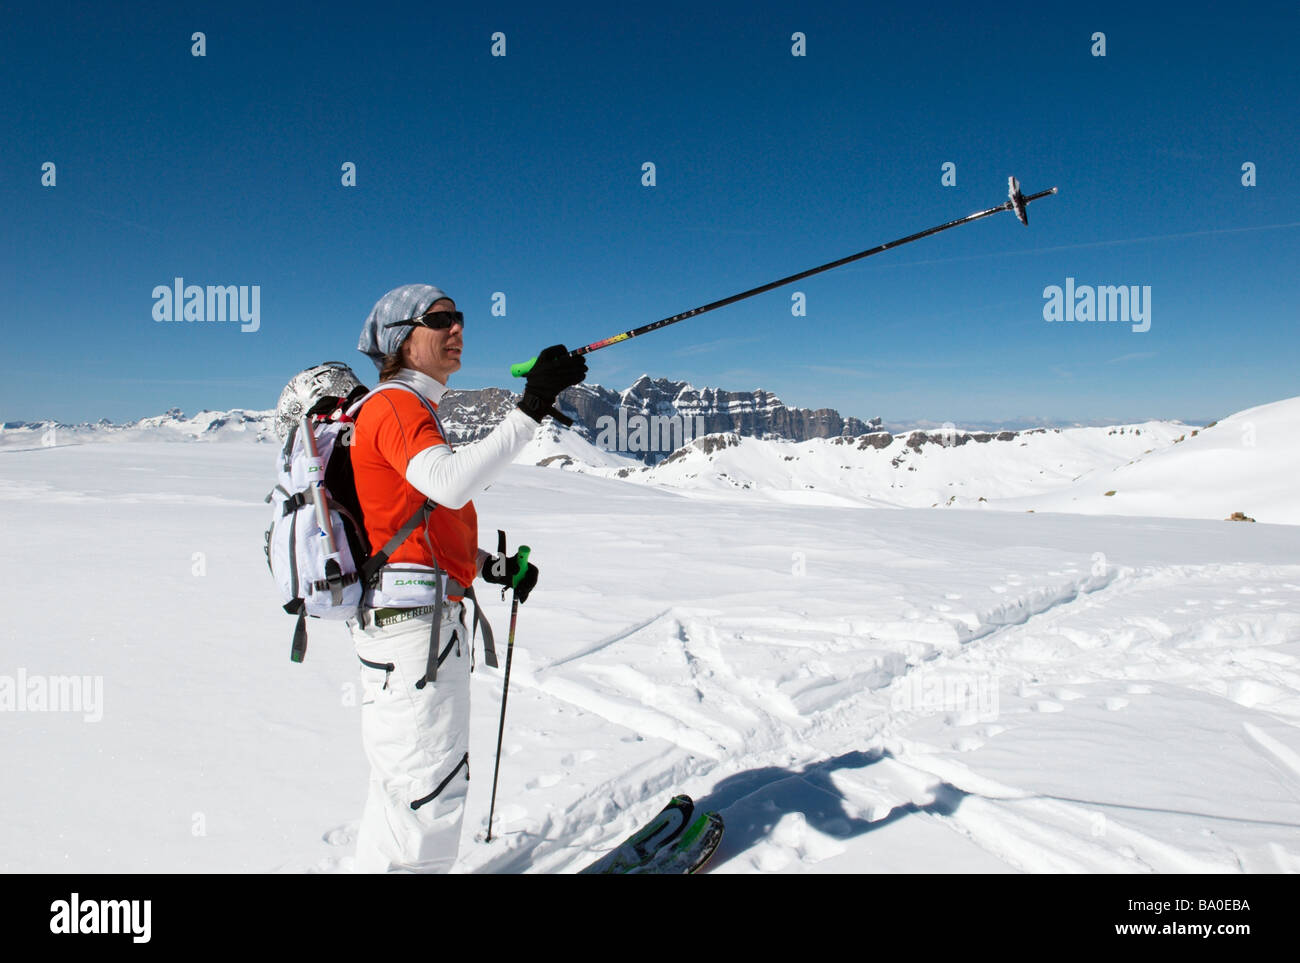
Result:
[344,835]
[1067,695]
[1115,703]
[967,743]
[1046,705]
[1138,688]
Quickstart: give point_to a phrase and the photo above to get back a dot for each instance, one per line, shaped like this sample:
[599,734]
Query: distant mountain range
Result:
[469,415]
[606,419]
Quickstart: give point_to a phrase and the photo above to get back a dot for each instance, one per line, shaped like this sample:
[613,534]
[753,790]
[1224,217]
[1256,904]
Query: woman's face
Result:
[436,352]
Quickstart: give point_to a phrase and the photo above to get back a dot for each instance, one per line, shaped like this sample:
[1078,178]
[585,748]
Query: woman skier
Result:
[415,674]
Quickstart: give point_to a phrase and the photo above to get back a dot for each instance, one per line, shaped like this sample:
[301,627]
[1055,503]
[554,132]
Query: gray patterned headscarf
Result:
[399,304]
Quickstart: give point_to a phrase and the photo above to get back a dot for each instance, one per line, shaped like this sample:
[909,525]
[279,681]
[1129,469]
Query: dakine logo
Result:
[642,433]
[55,693]
[1127,304]
[75,916]
[413,581]
[216,302]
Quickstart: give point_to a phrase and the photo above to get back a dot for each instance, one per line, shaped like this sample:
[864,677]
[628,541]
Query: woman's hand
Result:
[552,372]
[501,569]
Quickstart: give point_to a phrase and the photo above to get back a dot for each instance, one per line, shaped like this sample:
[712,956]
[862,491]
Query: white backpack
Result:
[322,570]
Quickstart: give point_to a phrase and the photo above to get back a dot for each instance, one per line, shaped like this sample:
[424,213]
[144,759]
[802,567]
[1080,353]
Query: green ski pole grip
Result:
[523,566]
[523,367]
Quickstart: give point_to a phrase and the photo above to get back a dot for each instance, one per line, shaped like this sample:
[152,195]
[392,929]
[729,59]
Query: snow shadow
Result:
[755,801]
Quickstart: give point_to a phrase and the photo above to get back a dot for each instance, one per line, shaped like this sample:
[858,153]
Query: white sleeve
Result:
[452,478]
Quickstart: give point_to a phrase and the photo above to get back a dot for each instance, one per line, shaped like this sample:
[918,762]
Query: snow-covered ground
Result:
[1246,463]
[910,690]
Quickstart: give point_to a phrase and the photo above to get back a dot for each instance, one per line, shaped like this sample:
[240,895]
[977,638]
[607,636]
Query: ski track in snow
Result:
[1060,641]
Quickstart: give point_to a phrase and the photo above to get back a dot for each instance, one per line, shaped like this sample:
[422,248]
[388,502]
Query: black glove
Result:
[553,371]
[501,569]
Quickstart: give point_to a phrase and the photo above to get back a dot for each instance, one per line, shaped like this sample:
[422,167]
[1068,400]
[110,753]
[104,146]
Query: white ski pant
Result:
[417,741]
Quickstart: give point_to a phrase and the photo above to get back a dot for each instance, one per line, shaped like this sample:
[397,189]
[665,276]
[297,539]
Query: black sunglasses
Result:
[438,320]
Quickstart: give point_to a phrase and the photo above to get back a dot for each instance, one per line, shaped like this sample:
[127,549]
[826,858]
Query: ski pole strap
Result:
[560,416]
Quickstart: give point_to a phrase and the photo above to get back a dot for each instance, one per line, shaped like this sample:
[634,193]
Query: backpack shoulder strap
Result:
[380,558]
[388,385]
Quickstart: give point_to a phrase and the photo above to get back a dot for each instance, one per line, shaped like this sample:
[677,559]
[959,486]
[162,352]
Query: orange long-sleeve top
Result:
[391,429]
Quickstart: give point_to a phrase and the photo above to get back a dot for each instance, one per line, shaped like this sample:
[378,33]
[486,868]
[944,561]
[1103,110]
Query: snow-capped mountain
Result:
[1246,463]
[758,413]
[237,424]
[470,415]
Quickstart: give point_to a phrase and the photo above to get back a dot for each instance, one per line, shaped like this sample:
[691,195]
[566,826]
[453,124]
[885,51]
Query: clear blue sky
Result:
[522,174]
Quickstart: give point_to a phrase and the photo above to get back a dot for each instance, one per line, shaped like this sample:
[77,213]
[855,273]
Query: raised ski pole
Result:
[524,551]
[1015,203]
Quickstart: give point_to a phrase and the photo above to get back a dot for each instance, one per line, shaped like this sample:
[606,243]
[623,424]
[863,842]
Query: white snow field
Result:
[1245,463]
[856,690]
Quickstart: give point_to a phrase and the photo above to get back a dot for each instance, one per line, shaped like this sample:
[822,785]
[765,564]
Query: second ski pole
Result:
[523,553]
